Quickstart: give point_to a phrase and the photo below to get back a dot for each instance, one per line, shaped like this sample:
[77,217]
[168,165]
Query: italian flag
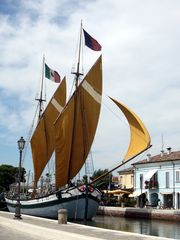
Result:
[51,74]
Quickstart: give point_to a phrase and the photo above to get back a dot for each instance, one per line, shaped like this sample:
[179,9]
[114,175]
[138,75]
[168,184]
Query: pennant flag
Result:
[91,42]
[51,74]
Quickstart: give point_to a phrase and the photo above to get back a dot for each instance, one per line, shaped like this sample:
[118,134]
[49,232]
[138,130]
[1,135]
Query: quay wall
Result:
[148,213]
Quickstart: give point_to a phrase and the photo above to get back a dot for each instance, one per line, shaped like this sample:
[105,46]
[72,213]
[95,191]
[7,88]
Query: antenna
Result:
[162,143]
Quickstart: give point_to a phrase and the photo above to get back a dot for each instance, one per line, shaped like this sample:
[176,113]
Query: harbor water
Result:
[160,228]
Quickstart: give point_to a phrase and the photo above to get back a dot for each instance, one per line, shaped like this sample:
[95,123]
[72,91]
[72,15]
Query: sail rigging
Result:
[140,138]
[69,129]
[42,141]
[76,126]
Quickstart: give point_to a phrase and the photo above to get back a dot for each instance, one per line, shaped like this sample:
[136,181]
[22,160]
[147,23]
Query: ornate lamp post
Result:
[21,143]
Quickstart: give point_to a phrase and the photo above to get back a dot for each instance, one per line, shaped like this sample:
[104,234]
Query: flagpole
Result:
[79,58]
[40,99]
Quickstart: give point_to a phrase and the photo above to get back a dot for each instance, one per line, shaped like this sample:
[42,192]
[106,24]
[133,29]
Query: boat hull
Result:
[48,206]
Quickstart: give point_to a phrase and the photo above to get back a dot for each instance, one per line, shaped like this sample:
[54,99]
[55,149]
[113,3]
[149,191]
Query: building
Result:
[126,179]
[157,180]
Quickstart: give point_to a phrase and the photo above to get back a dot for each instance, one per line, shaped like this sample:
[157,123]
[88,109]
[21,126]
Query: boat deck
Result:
[34,228]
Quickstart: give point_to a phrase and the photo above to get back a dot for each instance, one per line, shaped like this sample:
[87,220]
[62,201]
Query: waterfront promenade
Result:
[33,228]
[148,213]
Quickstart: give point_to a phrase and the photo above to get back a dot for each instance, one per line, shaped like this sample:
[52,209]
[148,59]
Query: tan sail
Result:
[140,138]
[76,126]
[42,141]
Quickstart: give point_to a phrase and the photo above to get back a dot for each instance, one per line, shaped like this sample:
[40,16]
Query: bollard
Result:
[123,204]
[62,216]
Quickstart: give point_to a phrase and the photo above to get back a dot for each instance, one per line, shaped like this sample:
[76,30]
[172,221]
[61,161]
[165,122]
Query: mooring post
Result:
[62,216]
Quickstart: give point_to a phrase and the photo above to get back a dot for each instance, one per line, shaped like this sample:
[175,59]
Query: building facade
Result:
[157,181]
[126,179]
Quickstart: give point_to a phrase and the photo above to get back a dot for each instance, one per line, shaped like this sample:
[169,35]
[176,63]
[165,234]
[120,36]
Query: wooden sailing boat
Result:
[71,137]
[69,129]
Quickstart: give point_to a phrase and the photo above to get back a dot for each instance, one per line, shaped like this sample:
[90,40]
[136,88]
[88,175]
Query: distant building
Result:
[157,180]
[126,179]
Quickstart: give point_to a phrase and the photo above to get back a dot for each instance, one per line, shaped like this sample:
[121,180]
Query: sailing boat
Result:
[69,130]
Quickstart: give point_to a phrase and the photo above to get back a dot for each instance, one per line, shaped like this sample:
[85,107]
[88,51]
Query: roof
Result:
[172,156]
[126,171]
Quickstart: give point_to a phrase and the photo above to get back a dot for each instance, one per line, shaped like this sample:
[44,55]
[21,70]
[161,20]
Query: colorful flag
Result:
[91,42]
[51,74]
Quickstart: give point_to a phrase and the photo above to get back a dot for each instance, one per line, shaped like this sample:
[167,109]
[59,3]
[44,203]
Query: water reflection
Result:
[143,226]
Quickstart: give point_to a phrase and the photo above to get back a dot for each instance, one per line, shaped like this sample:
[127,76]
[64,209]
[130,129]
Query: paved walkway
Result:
[33,228]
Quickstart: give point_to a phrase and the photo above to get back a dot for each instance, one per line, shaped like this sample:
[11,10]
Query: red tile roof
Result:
[173,156]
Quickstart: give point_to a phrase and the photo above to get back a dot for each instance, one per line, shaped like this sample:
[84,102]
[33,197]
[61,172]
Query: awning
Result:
[166,193]
[149,174]
[116,191]
[137,193]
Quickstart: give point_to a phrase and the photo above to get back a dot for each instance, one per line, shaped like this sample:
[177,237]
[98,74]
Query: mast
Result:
[40,99]
[77,73]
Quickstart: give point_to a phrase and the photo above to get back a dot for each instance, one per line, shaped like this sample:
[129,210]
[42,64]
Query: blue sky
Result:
[141,67]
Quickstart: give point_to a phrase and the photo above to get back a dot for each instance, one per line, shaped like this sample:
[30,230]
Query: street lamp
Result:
[21,143]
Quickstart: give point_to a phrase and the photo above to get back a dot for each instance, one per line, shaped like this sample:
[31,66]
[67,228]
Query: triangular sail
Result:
[43,139]
[140,138]
[76,126]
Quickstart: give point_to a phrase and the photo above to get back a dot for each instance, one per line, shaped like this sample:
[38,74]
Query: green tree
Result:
[9,175]
[105,181]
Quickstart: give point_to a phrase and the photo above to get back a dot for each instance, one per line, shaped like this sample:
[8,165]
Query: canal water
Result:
[159,228]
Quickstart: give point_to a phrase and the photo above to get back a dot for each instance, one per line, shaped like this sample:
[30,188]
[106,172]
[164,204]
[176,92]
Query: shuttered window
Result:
[177,176]
[141,181]
[167,179]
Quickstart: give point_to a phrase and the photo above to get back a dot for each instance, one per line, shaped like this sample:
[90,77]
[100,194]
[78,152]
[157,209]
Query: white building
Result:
[157,180]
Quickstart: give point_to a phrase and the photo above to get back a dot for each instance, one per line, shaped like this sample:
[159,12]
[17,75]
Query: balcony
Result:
[151,184]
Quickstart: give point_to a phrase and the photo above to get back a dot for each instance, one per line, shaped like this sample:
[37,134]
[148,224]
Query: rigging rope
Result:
[29,134]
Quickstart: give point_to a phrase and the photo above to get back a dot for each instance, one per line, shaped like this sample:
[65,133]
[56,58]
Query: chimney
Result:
[162,153]
[148,156]
[169,150]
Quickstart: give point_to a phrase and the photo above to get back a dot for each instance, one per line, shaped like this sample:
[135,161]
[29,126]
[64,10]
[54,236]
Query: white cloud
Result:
[140,42]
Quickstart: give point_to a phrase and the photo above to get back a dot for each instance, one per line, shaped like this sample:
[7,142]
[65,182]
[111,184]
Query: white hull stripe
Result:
[97,97]
[56,105]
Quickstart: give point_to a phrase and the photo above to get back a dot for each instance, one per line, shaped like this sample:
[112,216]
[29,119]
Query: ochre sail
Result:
[76,126]
[43,139]
[140,138]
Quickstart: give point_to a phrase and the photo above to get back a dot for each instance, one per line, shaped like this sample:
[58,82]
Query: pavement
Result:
[35,228]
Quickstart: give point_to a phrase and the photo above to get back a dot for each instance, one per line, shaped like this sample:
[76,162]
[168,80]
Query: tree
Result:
[104,182]
[9,175]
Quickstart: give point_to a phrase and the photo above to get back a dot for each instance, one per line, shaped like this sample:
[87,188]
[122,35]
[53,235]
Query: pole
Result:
[141,202]
[119,165]
[17,214]
[40,99]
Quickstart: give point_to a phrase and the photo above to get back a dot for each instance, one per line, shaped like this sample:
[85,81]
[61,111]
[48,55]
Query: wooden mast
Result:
[40,99]
[77,75]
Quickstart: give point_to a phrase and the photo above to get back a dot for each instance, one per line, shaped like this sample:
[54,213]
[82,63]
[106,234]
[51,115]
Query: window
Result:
[153,183]
[177,176]
[120,179]
[132,179]
[167,179]
[155,177]
[141,181]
